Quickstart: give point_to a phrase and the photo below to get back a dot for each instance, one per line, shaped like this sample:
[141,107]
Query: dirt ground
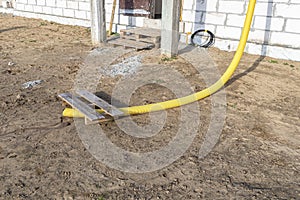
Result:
[42,156]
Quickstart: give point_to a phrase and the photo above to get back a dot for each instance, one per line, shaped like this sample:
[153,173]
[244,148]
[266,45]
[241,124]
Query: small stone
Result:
[10,64]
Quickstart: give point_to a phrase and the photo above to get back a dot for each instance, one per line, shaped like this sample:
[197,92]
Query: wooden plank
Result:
[148,32]
[131,44]
[142,39]
[108,109]
[88,122]
[81,106]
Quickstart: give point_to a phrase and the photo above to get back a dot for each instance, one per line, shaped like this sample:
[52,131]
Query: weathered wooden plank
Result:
[126,43]
[106,119]
[142,39]
[148,32]
[81,106]
[108,109]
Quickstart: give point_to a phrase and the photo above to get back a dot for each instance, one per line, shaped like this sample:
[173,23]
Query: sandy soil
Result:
[42,157]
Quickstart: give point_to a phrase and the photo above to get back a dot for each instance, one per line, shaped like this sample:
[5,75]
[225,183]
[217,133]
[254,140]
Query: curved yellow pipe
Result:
[199,95]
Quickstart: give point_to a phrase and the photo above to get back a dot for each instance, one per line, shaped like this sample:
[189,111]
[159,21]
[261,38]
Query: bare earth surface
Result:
[42,156]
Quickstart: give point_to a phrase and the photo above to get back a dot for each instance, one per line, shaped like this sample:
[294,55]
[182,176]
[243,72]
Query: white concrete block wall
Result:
[275,27]
[275,30]
[73,12]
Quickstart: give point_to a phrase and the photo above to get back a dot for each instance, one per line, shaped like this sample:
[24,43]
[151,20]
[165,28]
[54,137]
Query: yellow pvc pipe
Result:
[68,112]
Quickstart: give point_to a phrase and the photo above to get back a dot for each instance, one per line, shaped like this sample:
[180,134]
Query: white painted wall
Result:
[275,30]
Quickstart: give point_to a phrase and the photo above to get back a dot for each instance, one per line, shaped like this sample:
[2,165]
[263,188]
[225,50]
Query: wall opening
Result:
[146,8]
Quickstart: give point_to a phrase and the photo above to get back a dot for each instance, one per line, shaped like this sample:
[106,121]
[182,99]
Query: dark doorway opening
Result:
[147,8]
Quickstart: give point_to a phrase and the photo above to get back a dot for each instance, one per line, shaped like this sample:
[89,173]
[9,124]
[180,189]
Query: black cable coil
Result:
[207,43]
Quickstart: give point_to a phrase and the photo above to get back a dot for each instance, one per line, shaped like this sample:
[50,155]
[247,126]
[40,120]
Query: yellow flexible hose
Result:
[199,95]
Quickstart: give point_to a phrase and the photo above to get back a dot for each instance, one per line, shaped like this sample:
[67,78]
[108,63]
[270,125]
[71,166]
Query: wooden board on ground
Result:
[126,43]
[81,106]
[147,32]
[107,108]
[150,40]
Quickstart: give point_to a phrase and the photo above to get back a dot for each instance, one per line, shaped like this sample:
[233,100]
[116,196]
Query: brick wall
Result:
[275,30]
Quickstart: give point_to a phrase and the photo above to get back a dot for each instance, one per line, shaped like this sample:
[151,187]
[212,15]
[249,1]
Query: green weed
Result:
[168,59]
[273,61]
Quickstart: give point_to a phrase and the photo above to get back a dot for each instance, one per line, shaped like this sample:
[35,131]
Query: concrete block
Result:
[228,32]
[57,11]
[32,2]
[209,27]
[191,16]
[263,9]
[124,20]
[285,39]
[72,5]
[235,20]
[215,18]
[287,10]
[268,23]
[20,6]
[236,7]
[68,12]
[41,2]
[84,6]
[139,21]
[28,8]
[47,10]
[259,36]
[79,14]
[129,20]
[19,2]
[189,5]
[50,3]
[61,3]
[293,25]
[37,9]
